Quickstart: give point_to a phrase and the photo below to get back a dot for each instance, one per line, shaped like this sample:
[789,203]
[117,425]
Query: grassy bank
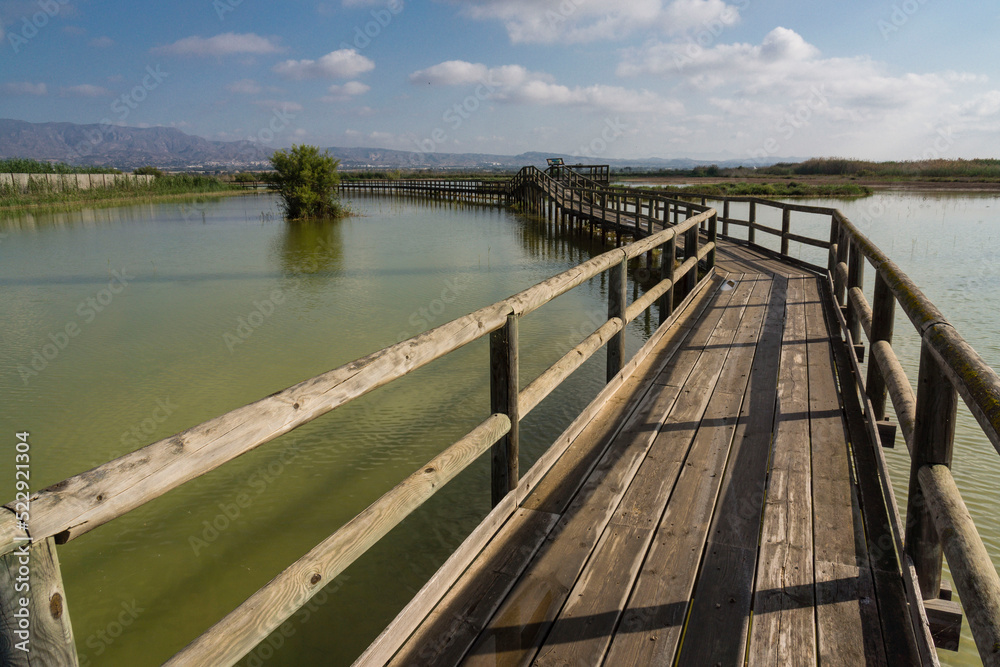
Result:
[41,194]
[839,170]
[21,165]
[766,190]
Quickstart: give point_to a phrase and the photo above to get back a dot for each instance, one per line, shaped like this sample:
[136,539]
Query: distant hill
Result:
[124,147]
[168,148]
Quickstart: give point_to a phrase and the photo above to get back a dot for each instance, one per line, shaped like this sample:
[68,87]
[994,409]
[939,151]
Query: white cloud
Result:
[103,42]
[517,85]
[576,21]
[85,90]
[782,67]
[340,93]
[341,64]
[227,43]
[24,88]
[451,73]
[244,87]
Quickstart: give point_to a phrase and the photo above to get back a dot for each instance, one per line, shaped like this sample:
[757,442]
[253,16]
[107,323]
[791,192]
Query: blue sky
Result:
[711,79]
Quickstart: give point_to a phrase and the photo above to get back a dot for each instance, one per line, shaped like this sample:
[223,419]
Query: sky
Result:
[708,79]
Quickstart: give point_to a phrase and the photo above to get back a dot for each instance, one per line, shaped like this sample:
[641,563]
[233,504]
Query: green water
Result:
[123,326]
[199,308]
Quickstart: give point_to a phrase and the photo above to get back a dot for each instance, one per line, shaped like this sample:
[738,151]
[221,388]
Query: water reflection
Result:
[310,247]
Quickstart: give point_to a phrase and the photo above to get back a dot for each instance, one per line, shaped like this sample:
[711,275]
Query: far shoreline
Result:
[875,184]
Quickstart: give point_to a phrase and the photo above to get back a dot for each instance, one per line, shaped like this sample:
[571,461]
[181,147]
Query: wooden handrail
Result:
[83,502]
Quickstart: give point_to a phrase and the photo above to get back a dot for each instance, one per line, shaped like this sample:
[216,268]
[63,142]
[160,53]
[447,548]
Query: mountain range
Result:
[168,148]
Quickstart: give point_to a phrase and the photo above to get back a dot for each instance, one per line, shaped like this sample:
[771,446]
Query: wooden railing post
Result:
[843,247]
[933,438]
[504,400]
[883,321]
[831,262]
[38,632]
[786,229]
[725,217]
[752,219]
[691,240]
[617,300]
[668,255]
[713,237]
[855,278]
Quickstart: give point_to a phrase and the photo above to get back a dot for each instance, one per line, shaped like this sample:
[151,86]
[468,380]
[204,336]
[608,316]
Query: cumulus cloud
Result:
[564,21]
[85,90]
[228,43]
[783,66]
[517,85]
[24,88]
[341,64]
[351,89]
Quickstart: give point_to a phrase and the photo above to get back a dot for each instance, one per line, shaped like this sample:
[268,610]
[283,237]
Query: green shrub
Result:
[307,182]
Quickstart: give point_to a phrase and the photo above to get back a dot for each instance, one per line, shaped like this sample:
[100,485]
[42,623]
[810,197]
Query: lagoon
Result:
[125,325]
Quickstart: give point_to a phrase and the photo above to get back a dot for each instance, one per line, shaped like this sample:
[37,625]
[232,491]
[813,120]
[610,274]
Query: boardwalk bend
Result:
[724,499]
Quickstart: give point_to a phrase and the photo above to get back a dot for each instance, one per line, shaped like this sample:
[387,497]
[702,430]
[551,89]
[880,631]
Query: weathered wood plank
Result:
[676,373]
[583,443]
[784,627]
[848,629]
[526,616]
[651,626]
[453,625]
[699,470]
[35,629]
[724,592]
[880,526]
[975,577]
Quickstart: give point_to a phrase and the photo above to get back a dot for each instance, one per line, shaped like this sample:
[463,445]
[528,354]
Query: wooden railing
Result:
[493,191]
[84,502]
[937,520]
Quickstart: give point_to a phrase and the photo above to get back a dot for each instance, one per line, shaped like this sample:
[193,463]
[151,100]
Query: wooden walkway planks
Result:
[784,627]
[720,496]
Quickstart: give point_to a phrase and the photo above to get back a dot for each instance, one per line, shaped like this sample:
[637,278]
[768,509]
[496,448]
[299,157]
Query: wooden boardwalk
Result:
[708,513]
[723,500]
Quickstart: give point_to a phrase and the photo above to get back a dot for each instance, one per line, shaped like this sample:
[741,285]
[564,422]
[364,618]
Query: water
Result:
[219,303]
[125,325]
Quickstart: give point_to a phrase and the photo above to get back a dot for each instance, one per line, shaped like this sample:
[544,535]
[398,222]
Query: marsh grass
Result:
[44,194]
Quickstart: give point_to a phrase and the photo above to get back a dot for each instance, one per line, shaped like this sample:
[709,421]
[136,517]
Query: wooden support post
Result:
[38,633]
[504,400]
[752,229]
[713,237]
[786,229]
[617,300]
[831,262]
[933,439]
[690,279]
[855,278]
[725,218]
[668,254]
[883,321]
[839,283]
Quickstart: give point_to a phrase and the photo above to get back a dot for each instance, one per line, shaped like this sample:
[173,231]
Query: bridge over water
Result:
[724,499]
